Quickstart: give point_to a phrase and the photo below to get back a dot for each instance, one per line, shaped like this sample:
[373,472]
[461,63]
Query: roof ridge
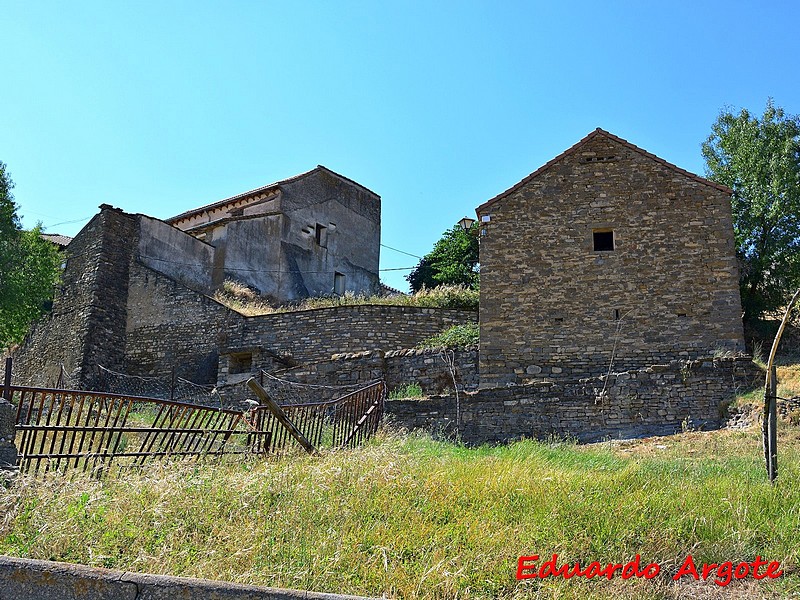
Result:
[572,149]
[262,189]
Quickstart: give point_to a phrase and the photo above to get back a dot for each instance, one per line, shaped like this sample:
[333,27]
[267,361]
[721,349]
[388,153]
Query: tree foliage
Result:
[29,268]
[759,159]
[453,260]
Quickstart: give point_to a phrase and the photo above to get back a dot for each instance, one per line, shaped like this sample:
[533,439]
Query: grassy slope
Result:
[413,518]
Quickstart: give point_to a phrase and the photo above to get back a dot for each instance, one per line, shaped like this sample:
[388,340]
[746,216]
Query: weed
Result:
[457,336]
[409,390]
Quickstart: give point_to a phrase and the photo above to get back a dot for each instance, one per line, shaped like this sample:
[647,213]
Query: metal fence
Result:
[95,431]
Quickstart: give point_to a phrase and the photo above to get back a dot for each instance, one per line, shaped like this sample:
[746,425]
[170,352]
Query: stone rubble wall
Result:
[658,400]
[313,336]
[425,367]
[87,323]
[668,290]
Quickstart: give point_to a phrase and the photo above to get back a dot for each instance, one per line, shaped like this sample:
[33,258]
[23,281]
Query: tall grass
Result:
[414,518]
[244,300]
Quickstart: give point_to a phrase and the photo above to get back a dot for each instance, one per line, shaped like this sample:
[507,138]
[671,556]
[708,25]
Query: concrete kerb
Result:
[27,579]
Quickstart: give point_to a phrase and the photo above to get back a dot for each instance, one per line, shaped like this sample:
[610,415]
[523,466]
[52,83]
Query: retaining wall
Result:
[658,400]
[427,367]
[311,336]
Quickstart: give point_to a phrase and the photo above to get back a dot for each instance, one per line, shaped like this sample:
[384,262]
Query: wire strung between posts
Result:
[164,388]
[286,392]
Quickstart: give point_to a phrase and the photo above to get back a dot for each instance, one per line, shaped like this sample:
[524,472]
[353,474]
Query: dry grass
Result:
[413,518]
[245,301]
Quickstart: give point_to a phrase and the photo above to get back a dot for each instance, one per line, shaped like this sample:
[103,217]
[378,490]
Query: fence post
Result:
[8,416]
[7,380]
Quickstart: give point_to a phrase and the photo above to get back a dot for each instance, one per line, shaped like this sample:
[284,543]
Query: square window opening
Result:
[240,363]
[603,240]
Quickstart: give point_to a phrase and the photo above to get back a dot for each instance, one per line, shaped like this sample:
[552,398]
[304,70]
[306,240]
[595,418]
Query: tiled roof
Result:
[600,132]
[57,239]
[387,290]
[261,190]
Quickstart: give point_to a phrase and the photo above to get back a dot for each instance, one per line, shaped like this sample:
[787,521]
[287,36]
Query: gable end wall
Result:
[549,302]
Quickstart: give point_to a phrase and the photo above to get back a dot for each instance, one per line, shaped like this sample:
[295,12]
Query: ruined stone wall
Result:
[667,290]
[658,400]
[87,322]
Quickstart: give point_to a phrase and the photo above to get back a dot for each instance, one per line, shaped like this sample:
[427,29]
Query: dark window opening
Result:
[321,235]
[559,319]
[240,363]
[338,284]
[603,240]
[616,314]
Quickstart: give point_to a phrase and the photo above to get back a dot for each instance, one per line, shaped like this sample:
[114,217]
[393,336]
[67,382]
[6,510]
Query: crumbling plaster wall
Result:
[350,240]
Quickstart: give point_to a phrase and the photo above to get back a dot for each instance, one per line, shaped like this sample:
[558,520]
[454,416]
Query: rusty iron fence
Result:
[344,422]
[95,431]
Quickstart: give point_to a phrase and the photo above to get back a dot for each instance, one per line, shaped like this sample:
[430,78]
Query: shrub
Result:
[409,390]
[457,336]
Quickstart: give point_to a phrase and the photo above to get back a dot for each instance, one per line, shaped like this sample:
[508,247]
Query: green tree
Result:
[29,269]
[759,159]
[453,260]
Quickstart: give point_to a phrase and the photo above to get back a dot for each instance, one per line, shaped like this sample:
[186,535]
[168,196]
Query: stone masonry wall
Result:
[310,336]
[658,400]
[87,322]
[170,325]
[425,367]
[668,289]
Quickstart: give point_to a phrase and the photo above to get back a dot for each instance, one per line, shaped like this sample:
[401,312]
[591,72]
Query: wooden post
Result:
[280,416]
[7,379]
[769,428]
[772,427]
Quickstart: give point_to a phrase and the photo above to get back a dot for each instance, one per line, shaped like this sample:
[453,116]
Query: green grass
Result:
[409,390]
[410,517]
[456,336]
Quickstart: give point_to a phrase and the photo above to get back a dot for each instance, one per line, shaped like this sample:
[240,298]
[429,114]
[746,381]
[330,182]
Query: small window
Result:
[240,363]
[603,240]
[616,314]
[321,235]
[338,284]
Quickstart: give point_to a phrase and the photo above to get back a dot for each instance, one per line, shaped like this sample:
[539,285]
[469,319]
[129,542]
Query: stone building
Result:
[313,234]
[136,291]
[605,257]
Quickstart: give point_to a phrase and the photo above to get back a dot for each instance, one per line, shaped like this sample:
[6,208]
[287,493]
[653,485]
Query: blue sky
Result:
[159,107]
